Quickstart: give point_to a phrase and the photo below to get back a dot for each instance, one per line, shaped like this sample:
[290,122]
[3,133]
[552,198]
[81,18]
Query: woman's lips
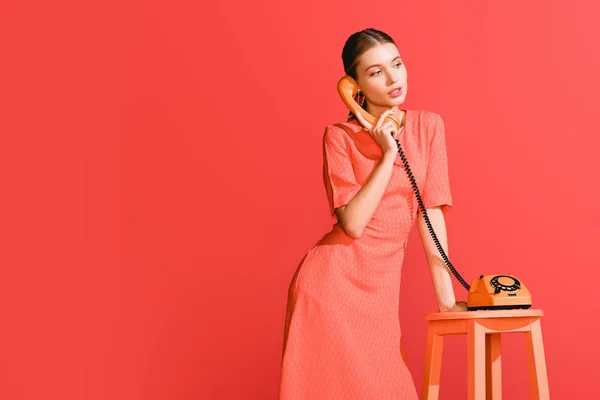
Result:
[396,93]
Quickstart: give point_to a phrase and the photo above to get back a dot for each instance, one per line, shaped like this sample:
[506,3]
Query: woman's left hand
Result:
[459,306]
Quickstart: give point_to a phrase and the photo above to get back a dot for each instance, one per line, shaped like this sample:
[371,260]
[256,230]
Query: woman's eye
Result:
[397,65]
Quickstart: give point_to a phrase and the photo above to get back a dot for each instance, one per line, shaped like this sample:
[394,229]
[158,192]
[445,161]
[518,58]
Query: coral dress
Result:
[342,331]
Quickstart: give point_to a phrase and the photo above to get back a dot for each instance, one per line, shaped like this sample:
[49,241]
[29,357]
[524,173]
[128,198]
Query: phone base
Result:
[501,307]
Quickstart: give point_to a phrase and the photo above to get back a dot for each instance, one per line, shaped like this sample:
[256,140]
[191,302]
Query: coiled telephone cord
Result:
[426,217]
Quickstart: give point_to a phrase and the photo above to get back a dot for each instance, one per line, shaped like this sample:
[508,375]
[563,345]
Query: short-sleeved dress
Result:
[342,332]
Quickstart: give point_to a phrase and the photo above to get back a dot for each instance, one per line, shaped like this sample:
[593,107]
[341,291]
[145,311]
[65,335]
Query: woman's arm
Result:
[440,274]
[355,215]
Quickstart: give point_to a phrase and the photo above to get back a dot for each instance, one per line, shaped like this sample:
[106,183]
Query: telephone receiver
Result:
[347,88]
[488,292]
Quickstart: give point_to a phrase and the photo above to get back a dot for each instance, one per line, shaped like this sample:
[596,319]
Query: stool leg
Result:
[433,365]
[493,364]
[537,362]
[476,360]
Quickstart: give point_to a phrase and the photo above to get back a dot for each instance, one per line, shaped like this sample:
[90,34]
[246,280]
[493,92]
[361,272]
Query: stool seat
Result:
[483,314]
[483,330]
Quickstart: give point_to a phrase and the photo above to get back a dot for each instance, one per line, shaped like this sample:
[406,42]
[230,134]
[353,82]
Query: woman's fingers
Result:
[381,119]
[382,123]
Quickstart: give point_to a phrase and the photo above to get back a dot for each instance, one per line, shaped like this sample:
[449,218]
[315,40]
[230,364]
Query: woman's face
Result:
[380,73]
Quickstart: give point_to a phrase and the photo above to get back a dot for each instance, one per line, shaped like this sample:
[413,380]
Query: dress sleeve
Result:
[436,191]
[338,173]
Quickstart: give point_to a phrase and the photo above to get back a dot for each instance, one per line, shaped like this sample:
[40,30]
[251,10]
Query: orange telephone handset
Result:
[488,292]
[347,88]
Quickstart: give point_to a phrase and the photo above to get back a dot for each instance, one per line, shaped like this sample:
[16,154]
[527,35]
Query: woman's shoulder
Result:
[428,124]
[428,116]
[351,123]
[337,131]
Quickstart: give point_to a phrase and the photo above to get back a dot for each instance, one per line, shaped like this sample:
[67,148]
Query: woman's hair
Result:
[356,45]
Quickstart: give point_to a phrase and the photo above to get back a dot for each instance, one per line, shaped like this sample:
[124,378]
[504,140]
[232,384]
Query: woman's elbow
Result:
[352,231]
[348,224]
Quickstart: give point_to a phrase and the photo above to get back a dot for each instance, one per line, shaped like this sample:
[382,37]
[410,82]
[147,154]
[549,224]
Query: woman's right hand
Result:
[383,131]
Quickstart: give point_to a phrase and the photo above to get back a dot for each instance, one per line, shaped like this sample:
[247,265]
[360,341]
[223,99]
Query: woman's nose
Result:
[392,78]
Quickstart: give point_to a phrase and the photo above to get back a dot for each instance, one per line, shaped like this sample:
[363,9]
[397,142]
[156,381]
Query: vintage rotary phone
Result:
[488,292]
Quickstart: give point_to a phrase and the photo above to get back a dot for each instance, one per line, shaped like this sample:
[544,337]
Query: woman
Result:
[342,332]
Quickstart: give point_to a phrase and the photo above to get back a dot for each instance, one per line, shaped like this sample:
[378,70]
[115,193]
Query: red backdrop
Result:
[161,177]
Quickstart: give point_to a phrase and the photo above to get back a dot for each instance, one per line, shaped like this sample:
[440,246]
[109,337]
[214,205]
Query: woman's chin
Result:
[396,102]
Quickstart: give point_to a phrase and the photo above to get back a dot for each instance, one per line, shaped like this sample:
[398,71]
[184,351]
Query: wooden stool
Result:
[483,329]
